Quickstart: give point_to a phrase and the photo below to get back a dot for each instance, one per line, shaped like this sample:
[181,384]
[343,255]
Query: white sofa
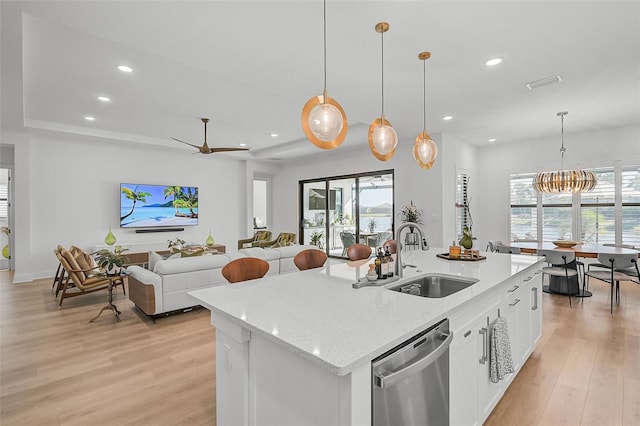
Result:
[165,288]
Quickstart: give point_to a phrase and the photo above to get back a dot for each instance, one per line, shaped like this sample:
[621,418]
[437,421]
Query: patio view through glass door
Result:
[336,212]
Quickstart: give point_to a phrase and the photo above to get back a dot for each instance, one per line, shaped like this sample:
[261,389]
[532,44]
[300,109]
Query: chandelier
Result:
[564,180]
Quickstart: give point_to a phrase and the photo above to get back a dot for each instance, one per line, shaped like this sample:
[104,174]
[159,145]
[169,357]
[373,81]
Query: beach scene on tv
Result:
[158,205]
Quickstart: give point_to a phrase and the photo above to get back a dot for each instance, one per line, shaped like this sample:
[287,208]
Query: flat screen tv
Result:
[318,199]
[151,206]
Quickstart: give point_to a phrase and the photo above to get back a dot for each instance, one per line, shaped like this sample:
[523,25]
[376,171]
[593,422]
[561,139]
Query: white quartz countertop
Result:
[319,316]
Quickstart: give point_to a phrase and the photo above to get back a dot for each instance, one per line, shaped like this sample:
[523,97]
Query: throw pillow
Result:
[154,258]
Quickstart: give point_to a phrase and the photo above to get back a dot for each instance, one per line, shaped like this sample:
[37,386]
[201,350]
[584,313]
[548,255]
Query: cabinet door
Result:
[535,309]
[488,392]
[462,378]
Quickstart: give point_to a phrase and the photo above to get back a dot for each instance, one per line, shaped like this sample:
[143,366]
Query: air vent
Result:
[543,82]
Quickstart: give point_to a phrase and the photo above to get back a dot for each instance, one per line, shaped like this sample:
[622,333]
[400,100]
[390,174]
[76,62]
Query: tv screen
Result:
[144,206]
[318,199]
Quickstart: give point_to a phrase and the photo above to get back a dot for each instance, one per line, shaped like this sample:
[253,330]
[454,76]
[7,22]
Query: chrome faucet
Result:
[423,245]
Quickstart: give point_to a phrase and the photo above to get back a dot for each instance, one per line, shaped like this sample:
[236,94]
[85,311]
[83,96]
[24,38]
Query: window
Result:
[344,210]
[630,200]
[556,217]
[610,214]
[260,203]
[524,212]
[597,210]
[4,193]
[463,216]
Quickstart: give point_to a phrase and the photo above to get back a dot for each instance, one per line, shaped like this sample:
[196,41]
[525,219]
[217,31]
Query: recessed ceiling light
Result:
[447,117]
[274,135]
[125,68]
[89,118]
[493,62]
[243,144]
[104,99]
[492,140]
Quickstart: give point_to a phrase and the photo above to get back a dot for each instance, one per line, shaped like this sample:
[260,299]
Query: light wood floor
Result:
[58,369]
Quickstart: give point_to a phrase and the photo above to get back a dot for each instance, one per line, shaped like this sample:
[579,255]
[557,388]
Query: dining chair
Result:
[358,251]
[612,275]
[348,239]
[500,248]
[559,261]
[309,259]
[492,245]
[244,269]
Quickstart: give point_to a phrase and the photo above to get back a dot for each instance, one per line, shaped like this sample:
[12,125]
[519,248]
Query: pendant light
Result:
[383,139]
[323,119]
[425,150]
[565,180]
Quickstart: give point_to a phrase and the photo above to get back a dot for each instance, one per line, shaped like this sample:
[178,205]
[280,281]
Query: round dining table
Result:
[559,285]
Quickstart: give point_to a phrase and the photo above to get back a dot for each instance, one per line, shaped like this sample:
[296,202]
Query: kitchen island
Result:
[297,348]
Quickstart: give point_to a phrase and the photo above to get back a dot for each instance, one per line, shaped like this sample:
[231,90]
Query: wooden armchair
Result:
[244,269]
[258,237]
[282,240]
[81,277]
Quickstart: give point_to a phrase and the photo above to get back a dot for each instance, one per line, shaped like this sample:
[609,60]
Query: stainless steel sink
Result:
[434,285]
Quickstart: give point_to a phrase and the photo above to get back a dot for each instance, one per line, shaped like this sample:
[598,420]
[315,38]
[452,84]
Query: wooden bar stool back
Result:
[244,269]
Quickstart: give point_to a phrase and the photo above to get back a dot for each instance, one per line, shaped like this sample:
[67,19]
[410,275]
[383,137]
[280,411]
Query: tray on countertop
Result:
[461,258]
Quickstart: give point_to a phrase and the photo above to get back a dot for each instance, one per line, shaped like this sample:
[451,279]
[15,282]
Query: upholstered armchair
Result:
[258,237]
[283,239]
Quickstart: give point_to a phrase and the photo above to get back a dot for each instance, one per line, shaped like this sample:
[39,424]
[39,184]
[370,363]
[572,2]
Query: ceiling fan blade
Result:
[212,150]
[186,143]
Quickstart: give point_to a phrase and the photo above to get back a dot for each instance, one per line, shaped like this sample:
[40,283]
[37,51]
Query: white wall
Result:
[496,163]
[71,190]
[424,187]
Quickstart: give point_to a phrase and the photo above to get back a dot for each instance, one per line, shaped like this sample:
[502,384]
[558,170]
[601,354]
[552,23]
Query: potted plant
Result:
[175,245]
[372,224]
[112,261]
[410,213]
[316,238]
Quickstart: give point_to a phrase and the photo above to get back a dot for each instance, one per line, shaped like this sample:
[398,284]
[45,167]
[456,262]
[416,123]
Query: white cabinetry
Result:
[472,393]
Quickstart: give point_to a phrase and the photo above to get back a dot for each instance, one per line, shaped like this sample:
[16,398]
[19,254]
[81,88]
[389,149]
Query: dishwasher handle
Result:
[384,380]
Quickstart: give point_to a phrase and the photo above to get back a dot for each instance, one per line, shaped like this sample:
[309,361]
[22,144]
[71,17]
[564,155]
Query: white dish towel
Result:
[500,360]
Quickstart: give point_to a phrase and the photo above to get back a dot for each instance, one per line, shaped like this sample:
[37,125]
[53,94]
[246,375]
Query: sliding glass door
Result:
[336,212]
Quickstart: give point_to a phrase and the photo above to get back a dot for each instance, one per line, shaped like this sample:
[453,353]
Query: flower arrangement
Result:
[410,213]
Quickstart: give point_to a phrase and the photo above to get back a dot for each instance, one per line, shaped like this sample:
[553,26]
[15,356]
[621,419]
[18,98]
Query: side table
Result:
[110,305]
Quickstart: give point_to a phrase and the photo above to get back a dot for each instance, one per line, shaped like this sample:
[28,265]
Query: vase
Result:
[110,239]
[209,241]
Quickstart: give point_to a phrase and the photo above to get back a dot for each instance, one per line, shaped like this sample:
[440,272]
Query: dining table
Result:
[559,285]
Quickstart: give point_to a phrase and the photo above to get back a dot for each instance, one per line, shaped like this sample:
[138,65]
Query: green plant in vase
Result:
[316,238]
[112,261]
[467,238]
[372,224]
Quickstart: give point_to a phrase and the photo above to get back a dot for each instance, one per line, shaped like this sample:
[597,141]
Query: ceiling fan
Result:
[204,149]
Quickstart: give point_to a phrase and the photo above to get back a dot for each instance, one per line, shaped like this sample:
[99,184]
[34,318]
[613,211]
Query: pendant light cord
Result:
[382,68]
[424,95]
[562,149]
[324,35]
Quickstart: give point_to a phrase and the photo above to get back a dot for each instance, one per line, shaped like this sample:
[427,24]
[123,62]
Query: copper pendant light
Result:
[425,150]
[323,119]
[383,139]
[565,180]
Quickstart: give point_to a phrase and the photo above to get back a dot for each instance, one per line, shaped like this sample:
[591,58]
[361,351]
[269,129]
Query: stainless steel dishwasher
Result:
[410,383]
